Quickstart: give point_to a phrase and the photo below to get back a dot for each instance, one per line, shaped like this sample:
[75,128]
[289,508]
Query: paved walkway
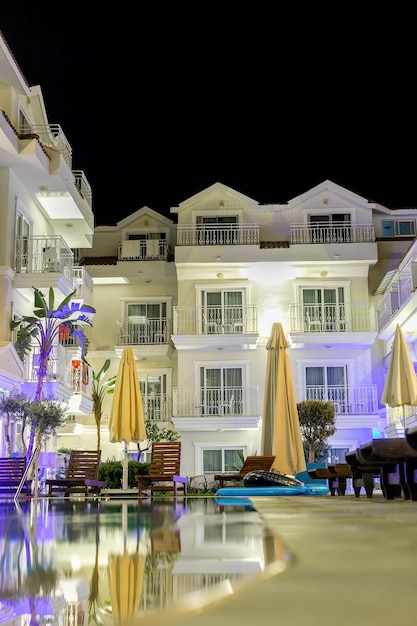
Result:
[354,563]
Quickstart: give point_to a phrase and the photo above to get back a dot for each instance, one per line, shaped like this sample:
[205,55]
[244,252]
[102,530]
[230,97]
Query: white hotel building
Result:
[195,296]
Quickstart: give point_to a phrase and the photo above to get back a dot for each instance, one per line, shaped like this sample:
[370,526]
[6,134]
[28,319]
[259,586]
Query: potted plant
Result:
[317,423]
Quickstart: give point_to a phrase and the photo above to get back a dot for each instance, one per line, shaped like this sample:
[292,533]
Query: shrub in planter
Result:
[112,473]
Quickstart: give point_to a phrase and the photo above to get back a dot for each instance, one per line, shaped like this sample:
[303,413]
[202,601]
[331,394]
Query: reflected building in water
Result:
[67,563]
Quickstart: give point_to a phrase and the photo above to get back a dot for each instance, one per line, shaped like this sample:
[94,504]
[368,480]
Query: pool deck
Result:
[353,563]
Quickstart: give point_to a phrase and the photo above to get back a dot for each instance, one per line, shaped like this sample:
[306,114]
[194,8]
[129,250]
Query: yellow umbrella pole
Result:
[125,463]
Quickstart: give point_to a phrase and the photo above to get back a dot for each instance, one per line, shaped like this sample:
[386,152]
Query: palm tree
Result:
[43,327]
[98,390]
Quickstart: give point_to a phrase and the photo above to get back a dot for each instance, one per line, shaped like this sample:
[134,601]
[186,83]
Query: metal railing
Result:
[215,320]
[217,235]
[83,186]
[51,136]
[82,283]
[156,407]
[72,373]
[319,233]
[397,415]
[403,284]
[150,332]
[357,400]
[40,254]
[143,250]
[331,318]
[216,401]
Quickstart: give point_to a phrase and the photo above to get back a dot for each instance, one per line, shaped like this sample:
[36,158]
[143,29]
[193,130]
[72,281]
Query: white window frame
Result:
[124,302]
[348,364]
[200,446]
[329,211]
[221,287]
[160,371]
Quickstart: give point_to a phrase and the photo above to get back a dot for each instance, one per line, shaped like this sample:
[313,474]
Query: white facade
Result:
[319,264]
[195,296]
[46,213]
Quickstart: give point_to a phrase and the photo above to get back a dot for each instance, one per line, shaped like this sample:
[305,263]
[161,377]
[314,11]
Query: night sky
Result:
[159,105]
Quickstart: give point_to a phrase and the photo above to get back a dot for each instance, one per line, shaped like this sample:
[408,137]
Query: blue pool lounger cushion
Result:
[235,501]
[296,490]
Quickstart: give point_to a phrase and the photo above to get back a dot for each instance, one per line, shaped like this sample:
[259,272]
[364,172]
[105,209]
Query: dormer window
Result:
[333,227]
[398,228]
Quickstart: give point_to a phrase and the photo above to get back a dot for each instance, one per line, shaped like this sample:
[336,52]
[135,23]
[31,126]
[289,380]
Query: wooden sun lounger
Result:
[81,475]
[393,460]
[336,475]
[252,463]
[164,472]
[12,470]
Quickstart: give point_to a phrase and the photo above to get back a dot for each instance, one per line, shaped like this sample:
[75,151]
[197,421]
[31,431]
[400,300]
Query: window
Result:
[144,246]
[333,227]
[221,390]
[147,322]
[217,230]
[222,459]
[337,455]
[324,308]
[222,311]
[327,383]
[153,387]
[22,243]
[217,219]
[398,228]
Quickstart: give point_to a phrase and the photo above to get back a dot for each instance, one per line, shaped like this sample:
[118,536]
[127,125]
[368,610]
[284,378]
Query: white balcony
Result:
[213,326]
[215,408]
[155,334]
[325,233]
[217,235]
[360,400]
[333,323]
[68,379]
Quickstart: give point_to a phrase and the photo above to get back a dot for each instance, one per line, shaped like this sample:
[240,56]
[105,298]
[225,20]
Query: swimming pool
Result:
[78,561]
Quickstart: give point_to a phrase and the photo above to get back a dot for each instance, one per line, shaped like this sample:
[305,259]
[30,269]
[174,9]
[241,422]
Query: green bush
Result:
[112,473]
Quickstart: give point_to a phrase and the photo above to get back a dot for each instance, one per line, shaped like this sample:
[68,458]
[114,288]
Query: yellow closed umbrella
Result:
[126,420]
[281,433]
[125,577]
[401,383]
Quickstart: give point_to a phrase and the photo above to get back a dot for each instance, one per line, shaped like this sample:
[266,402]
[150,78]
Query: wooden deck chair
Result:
[12,470]
[164,472]
[81,475]
[251,464]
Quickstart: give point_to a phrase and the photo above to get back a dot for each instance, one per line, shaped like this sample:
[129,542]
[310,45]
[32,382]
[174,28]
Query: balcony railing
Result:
[72,373]
[332,318]
[156,407]
[216,401]
[396,415]
[150,332]
[217,235]
[82,185]
[319,233]
[215,320]
[403,284]
[40,254]
[82,282]
[50,136]
[361,399]
[143,250]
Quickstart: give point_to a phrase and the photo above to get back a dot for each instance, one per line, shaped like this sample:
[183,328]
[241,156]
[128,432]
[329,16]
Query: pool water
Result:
[74,562]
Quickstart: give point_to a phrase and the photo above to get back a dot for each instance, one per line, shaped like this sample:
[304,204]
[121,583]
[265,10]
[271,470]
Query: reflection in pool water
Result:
[77,562]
